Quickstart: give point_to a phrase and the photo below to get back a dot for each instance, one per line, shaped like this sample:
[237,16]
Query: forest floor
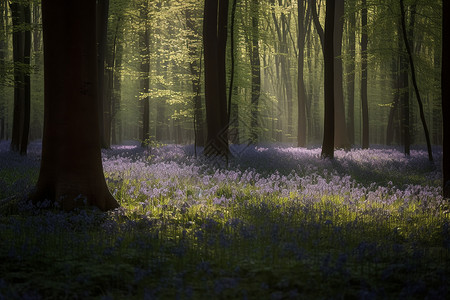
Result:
[275,223]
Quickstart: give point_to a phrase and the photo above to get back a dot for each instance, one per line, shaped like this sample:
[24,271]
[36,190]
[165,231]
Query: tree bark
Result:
[414,81]
[364,104]
[301,90]
[3,49]
[350,78]
[445,82]
[144,45]
[214,41]
[256,72]
[195,66]
[71,171]
[328,54]
[340,128]
[21,16]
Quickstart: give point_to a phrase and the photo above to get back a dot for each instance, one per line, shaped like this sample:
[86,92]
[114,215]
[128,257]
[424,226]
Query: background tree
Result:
[71,168]
[364,104]
[144,45]
[21,20]
[303,19]
[414,81]
[3,51]
[195,51]
[256,71]
[445,101]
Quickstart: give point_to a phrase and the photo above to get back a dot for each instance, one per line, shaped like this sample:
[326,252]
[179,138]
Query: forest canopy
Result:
[151,62]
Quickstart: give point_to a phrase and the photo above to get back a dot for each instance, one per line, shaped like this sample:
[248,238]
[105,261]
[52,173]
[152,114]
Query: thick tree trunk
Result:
[364,104]
[328,54]
[71,171]
[214,40]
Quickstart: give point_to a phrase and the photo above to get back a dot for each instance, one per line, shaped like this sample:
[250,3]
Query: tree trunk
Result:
[350,78]
[414,81]
[116,122]
[144,45]
[445,82]
[340,128]
[21,16]
[71,167]
[328,54]
[3,49]
[256,72]
[364,104]
[195,67]
[214,40]
[301,90]
[392,129]
[404,95]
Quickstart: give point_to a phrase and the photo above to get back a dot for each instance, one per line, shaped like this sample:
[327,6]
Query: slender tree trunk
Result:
[328,54]
[256,72]
[21,16]
[340,128]
[351,78]
[3,49]
[145,74]
[364,104]
[445,82]
[301,90]
[195,66]
[116,126]
[414,81]
[404,95]
[71,167]
[393,113]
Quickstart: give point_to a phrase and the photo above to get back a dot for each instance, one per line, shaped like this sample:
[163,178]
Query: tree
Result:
[340,128]
[3,49]
[340,138]
[301,90]
[214,43]
[445,81]
[256,71]
[414,81]
[328,55]
[71,167]
[144,45]
[350,78]
[364,104]
[195,67]
[21,17]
